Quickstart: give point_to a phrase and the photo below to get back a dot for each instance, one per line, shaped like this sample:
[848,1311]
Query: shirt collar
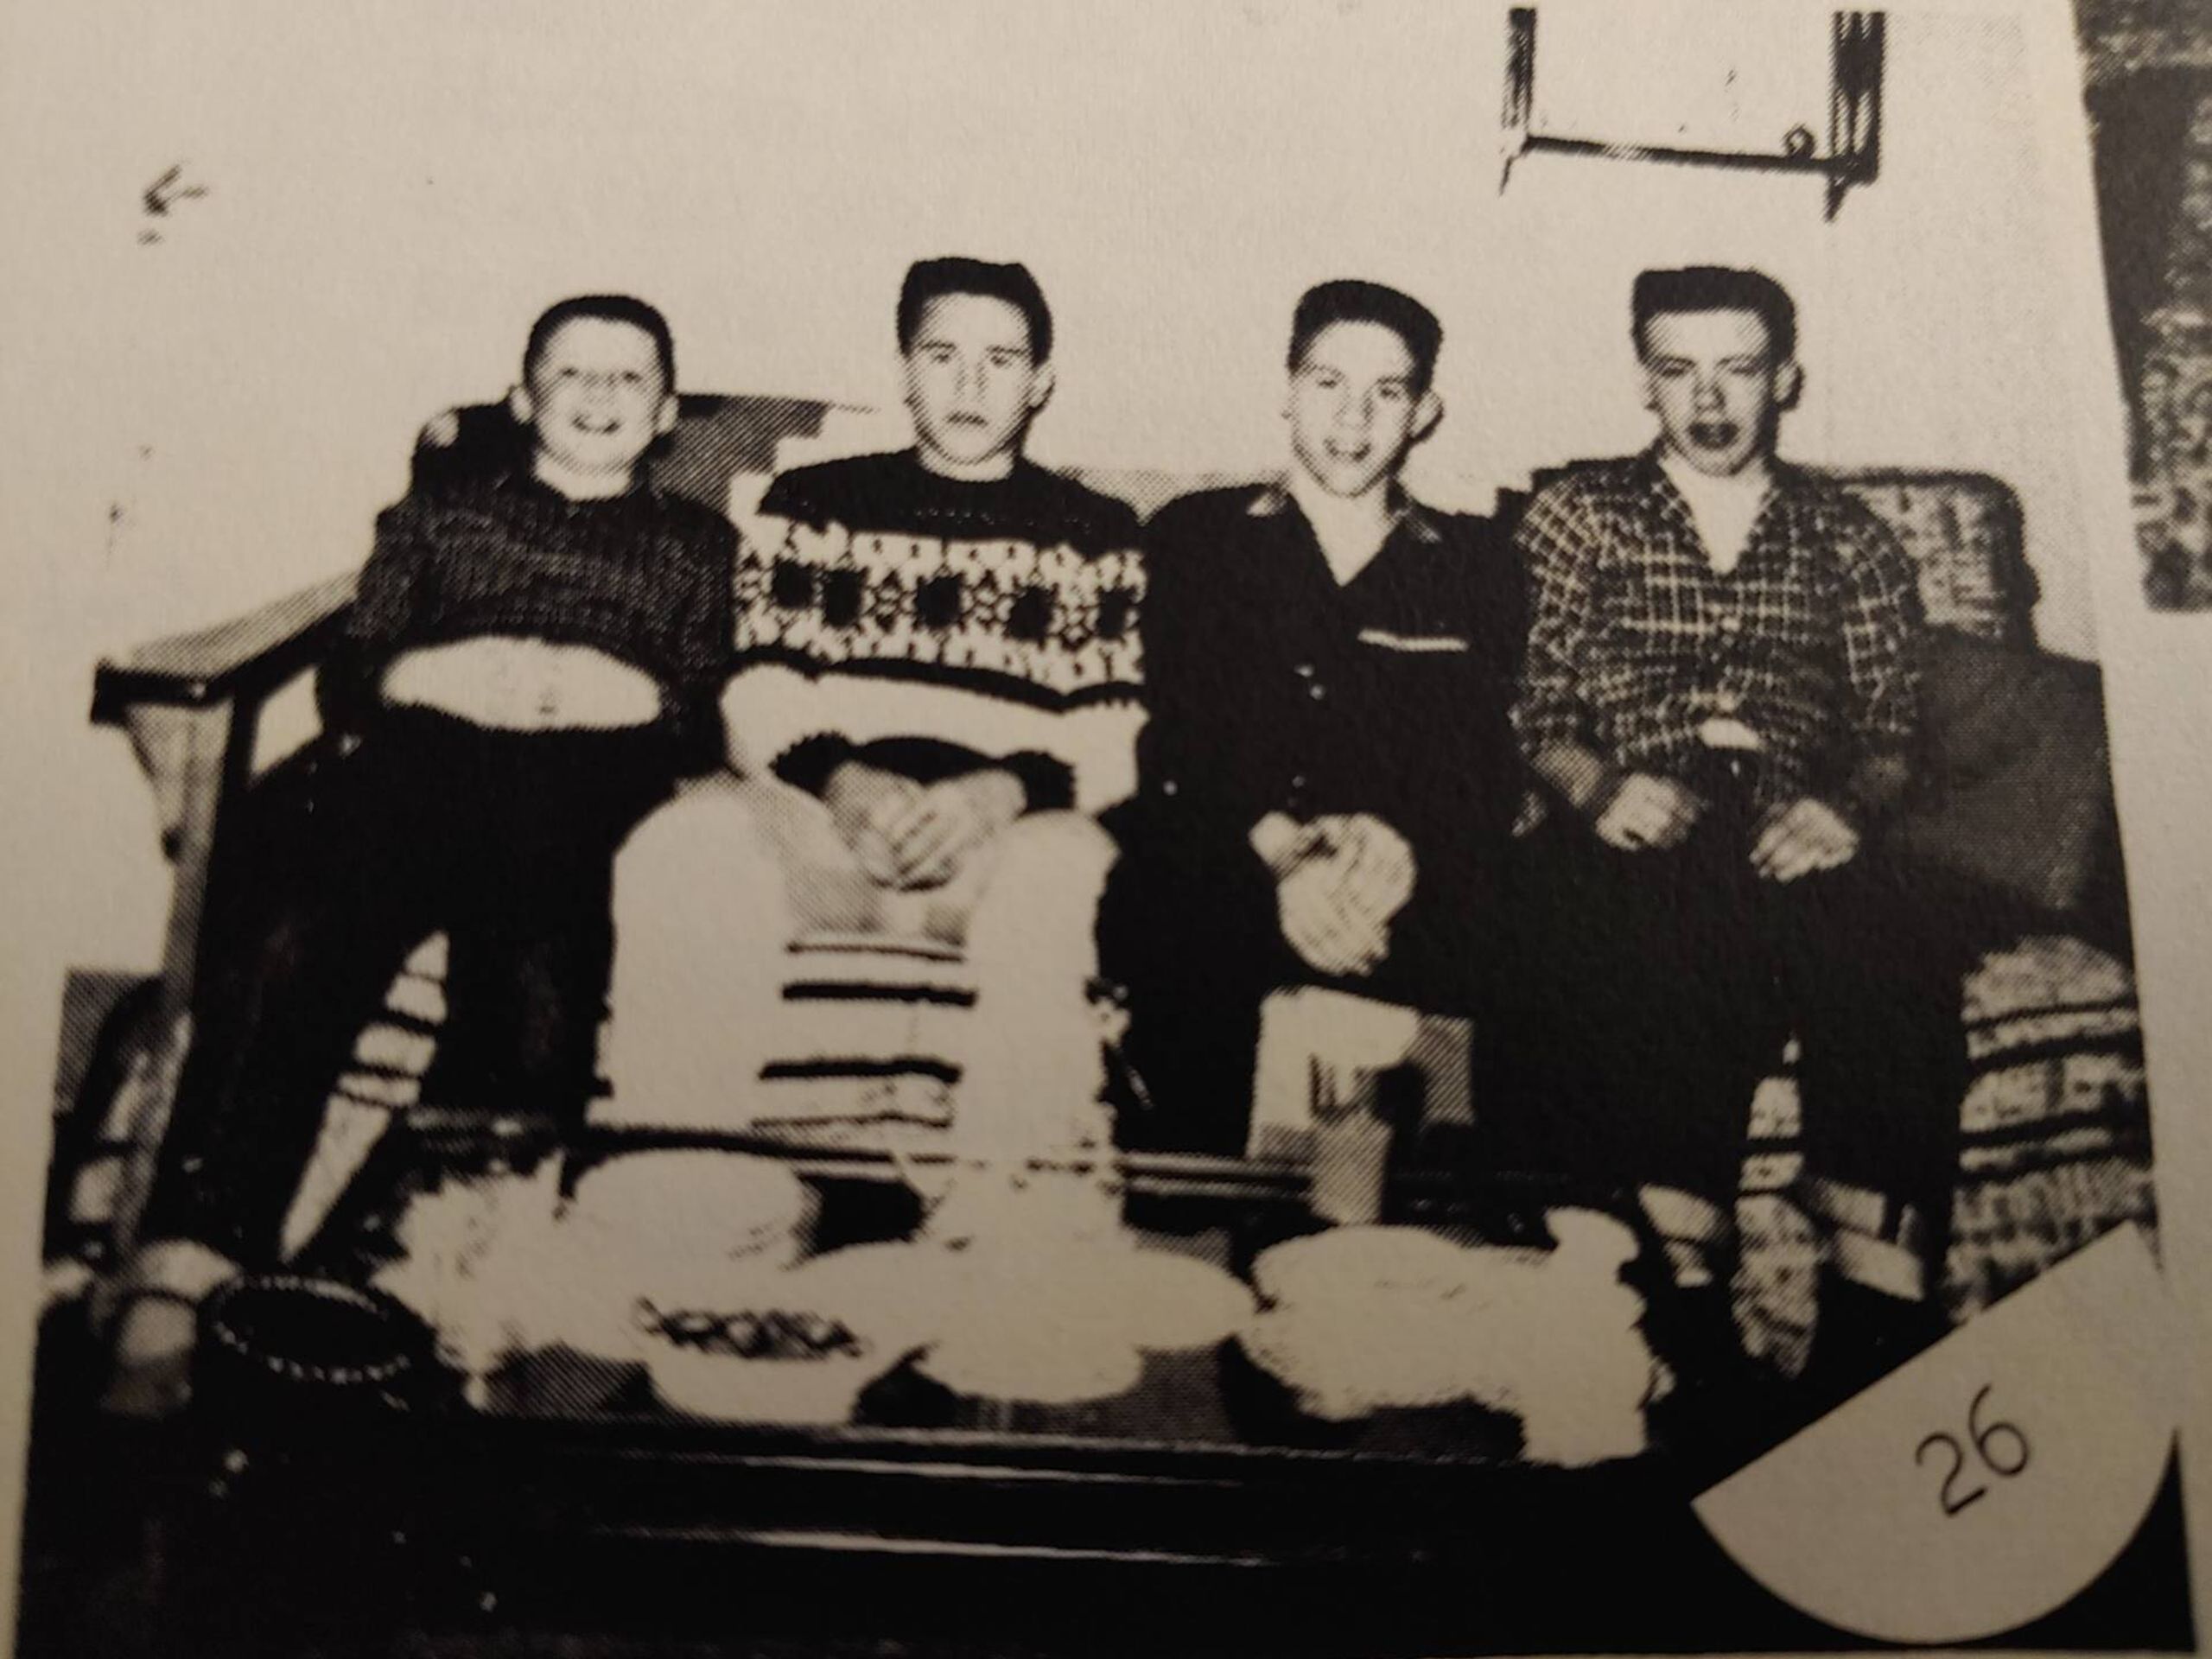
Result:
[524,479]
[1786,485]
[1274,498]
[1784,477]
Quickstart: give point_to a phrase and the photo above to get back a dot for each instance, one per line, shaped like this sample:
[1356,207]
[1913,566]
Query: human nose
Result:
[1707,393]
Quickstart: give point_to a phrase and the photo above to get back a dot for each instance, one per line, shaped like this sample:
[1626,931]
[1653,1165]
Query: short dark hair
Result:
[607,307]
[1715,288]
[1348,299]
[932,279]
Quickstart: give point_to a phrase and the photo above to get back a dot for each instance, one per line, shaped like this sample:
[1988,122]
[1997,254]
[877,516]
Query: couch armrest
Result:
[233,661]
[192,705]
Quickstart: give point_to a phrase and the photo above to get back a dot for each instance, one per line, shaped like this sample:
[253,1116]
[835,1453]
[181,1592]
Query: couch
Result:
[2056,1147]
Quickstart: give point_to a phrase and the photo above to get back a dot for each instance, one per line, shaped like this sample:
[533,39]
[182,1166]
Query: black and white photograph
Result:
[1281,827]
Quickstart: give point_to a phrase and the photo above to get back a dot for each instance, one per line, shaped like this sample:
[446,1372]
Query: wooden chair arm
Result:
[236,661]
[193,706]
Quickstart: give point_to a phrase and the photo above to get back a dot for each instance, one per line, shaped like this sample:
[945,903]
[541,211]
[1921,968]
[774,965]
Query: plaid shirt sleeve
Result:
[1881,623]
[1558,542]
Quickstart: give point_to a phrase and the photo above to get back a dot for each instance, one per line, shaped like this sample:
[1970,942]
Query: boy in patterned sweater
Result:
[936,685]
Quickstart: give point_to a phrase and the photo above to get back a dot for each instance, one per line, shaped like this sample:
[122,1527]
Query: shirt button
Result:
[1298,780]
[1317,691]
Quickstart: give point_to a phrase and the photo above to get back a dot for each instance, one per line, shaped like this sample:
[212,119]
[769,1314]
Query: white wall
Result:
[395,188]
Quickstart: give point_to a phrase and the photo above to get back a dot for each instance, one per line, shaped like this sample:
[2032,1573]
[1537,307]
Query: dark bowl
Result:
[274,1346]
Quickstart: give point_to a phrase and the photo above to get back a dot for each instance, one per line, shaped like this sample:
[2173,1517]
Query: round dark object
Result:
[297,1342]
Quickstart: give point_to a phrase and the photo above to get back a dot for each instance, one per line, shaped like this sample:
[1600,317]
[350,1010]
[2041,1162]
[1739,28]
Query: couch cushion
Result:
[1963,532]
[2019,798]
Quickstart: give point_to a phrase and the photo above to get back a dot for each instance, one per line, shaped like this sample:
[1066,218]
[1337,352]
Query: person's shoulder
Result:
[1591,482]
[1854,532]
[828,491]
[1066,508]
[432,510]
[1215,514]
[694,523]
[1450,530]
[1467,553]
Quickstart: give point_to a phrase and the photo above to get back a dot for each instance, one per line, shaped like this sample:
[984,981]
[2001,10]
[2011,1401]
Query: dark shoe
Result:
[1861,1337]
[1724,1408]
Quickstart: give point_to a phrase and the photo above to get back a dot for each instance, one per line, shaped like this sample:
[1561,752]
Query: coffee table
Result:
[1197,1511]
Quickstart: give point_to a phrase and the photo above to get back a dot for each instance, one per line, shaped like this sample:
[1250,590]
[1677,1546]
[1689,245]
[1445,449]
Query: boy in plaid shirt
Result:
[1719,693]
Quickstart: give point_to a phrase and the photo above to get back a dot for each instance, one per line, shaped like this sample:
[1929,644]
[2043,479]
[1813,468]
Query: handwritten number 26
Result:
[2000,1446]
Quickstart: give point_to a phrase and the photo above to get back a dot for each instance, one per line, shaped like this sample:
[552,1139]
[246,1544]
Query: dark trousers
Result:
[1191,935]
[1652,991]
[505,843]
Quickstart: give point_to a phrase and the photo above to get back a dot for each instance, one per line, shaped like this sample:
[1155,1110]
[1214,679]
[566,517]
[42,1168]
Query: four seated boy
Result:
[903,710]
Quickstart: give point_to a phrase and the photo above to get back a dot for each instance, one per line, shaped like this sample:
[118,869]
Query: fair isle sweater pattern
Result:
[994,621]
[1006,617]
[944,594]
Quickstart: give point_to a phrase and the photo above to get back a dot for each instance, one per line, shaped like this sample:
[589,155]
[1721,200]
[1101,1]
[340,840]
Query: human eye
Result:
[1394,391]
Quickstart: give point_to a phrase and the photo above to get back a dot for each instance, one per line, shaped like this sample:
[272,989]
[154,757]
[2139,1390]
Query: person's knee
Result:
[1037,914]
[707,852]
[702,815]
[1049,853]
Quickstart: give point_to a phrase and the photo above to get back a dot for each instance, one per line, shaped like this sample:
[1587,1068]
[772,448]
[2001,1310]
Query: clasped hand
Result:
[1340,880]
[907,834]
[1803,837]
[1645,811]
[1795,840]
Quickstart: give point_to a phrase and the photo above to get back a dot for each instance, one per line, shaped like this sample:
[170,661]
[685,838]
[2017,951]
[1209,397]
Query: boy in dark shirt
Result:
[1329,778]
[531,663]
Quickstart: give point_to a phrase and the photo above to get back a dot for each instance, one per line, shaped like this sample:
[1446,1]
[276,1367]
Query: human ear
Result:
[1789,385]
[664,416]
[1427,414]
[520,406]
[1041,386]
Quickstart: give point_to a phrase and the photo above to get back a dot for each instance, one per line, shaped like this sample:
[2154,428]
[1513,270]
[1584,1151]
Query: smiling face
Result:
[1712,379]
[596,397]
[973,384]
[1355,408]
